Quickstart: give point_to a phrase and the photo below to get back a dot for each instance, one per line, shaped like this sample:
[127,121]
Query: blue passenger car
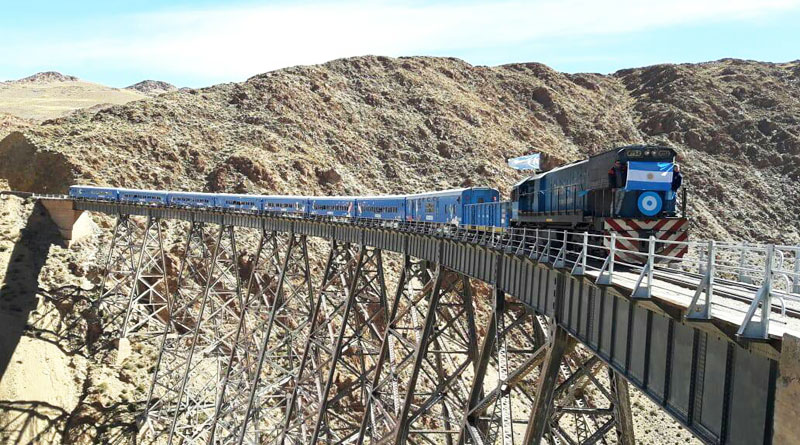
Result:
[284,204]
[382,207]
[249,203]
[447,206]
[488,215]
[148,197]
[337,206]
[191,200]
[94,193]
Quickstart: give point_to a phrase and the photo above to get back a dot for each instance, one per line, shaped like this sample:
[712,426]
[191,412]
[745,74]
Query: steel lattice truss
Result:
[249,353]
[119,272]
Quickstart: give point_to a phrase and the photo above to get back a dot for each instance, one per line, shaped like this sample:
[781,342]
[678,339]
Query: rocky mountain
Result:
[46,77]
[379,124]
[152,87]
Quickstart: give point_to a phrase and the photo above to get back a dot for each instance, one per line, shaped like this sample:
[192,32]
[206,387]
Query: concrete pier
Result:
[72,224]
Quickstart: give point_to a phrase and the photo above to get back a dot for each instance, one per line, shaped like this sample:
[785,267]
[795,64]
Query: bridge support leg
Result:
[560,341]
[290,317]
[355,352]
[119,272]
[262,292]
[146,312]
[622,408]
[447,335]
[512,350]
[397,350]
[163,396]
[317,347]
[205,357]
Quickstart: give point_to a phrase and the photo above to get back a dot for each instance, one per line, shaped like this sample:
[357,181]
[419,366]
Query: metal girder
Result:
[119,272]
[290,315]
[354,353]
[209,346]
[168,374]
[513,348]
[540,412]
[146,311]
[576,402]
[307,382]
[437,387]
[262,292]
[400,337]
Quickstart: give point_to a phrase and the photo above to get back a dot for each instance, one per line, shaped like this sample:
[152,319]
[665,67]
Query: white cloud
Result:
[237,42]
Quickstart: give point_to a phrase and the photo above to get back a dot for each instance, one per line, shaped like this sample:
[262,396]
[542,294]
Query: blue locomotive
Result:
[627,191]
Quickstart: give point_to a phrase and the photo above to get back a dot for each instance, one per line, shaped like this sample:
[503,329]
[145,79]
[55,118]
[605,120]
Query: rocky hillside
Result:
[152,87]
[379,124]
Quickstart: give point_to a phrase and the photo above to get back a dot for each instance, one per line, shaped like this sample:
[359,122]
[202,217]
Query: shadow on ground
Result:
[21,280]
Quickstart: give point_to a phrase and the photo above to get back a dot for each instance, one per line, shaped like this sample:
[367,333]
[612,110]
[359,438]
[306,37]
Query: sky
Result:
[203,42]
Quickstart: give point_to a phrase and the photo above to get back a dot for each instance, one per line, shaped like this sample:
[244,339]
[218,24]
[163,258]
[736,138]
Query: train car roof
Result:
[282,196]
[542,174]
[235,194]
[602,153]
[191,193]
[448,192]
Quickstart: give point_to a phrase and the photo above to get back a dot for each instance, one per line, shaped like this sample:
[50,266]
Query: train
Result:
[575,196]
[463,206]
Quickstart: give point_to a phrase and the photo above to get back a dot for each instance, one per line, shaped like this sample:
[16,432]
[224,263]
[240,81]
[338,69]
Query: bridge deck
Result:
[719,385]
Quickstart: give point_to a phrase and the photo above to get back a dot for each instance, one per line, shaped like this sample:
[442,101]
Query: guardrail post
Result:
[545,256]
[606,275]
[743,277]
[579,269]
[642,289]
[561,257]
[796,276]
[703,311]
[759,330]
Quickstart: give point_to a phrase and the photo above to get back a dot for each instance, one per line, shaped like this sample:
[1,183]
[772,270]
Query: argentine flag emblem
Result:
[649,176]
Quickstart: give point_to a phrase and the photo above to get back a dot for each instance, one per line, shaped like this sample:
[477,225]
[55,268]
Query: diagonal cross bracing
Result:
[146,311]
[208,344]
[168,374]
[268,391]
[119,272]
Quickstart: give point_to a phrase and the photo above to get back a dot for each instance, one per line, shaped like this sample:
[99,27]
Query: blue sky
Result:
[203,42]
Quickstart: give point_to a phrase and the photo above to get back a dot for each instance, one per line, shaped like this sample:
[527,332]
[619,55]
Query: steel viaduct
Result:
[263,351]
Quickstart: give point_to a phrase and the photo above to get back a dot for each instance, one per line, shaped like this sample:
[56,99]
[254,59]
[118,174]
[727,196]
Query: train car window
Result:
[429,207]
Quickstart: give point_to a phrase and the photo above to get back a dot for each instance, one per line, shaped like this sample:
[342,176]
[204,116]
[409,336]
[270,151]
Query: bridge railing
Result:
[759,282]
